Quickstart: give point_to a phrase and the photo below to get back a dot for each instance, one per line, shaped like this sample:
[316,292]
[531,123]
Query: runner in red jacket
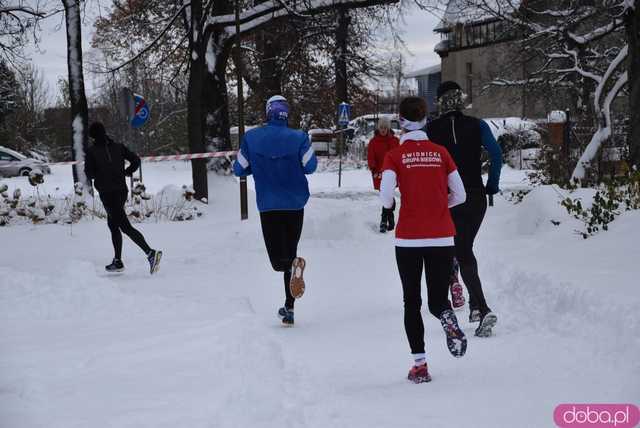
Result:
[382,142]
[429,185]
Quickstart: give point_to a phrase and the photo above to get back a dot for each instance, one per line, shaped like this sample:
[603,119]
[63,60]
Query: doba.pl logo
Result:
[596,415]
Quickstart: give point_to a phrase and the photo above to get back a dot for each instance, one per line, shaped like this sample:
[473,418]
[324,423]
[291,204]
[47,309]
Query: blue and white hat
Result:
[277,108]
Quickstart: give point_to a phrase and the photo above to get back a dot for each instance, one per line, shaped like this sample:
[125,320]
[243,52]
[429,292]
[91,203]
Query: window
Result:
[469,82]
[479,35]
[491,32]
[7,157]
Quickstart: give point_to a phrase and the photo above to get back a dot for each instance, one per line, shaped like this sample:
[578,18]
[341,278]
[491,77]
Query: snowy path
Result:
[199,345]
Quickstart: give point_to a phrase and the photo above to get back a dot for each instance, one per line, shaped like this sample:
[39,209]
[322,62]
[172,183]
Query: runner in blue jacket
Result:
[278,157]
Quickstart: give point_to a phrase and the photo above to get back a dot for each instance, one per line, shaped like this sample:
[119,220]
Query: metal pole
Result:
[567,142]
[340,145]
[244,208]
[130,143]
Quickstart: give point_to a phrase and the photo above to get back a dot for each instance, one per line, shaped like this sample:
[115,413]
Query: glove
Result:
[492,189]
[128,172]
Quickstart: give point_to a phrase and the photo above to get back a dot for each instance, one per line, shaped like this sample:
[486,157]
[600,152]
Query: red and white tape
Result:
[188,156]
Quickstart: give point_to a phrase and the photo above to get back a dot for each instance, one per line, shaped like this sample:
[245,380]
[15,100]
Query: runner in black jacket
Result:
[104,164]
[464,137]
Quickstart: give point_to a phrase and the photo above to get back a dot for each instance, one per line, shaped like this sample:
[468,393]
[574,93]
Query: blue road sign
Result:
[141,112]
[344,112]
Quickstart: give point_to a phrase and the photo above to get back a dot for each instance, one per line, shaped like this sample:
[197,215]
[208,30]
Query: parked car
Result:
[364,126]
[13,164]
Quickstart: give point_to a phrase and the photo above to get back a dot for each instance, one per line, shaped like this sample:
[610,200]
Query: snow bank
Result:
[199,345]
[538,209]
[509,125]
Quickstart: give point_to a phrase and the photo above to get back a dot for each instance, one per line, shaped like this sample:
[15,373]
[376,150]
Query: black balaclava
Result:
[98,132]
[450,97]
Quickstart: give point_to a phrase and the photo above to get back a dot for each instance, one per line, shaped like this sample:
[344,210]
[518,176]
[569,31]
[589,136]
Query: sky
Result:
[50,53]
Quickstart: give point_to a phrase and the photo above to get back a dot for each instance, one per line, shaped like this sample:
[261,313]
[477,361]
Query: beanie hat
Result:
[447,86]
[383,122]
[277,108]
[97,131]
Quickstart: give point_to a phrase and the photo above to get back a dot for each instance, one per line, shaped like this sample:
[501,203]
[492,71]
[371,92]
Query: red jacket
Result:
[422,169]
[378,148]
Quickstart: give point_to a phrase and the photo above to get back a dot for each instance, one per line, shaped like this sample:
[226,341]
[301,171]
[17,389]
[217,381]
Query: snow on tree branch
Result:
[262,13]
[604,113]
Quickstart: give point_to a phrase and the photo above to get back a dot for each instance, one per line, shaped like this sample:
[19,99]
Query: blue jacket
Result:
[495,153]
[278,157]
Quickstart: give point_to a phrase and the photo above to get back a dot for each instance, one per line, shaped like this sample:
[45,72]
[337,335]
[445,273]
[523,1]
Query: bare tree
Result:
[18,23]
[77,96]
[33,90]
[632,24]
[210,35]
[577,46]
[8,90]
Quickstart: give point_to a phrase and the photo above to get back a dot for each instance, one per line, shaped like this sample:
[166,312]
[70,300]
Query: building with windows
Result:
[475,49]
[428,80]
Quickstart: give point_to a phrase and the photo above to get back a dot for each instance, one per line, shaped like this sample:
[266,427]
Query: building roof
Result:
[463,11]
[425,71]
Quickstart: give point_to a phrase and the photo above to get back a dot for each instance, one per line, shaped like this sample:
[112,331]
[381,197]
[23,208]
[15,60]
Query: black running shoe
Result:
[456,340]
[286,315]
[154,261]
[115,266]
[487,322]
[474,315]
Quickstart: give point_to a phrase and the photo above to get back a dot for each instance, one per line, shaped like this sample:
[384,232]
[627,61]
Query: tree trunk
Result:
[216,99]
[195,102]
[342,34]
[269,44]
[632,23]
[78,99]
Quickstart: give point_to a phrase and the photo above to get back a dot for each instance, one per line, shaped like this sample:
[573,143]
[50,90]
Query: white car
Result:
[13,164]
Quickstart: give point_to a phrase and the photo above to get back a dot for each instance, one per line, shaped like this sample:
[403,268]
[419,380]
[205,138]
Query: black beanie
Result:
[447,86]
[97,131]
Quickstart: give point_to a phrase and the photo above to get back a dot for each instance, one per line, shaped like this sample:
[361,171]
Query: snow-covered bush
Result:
[611,198]
[222,165]
[172,204]
[333,164]
[516,196]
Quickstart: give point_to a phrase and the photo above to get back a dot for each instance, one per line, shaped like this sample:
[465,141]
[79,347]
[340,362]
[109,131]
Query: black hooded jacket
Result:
[104,163]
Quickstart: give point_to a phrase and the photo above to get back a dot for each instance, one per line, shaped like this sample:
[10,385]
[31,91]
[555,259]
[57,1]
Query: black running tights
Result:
[119,223]
[437,263]
[281,231]
[468,219]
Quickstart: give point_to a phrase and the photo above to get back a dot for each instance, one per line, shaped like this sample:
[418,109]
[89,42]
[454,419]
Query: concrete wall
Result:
[487,63]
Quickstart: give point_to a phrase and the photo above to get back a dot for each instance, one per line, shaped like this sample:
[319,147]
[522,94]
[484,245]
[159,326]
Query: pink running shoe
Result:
[457,295]
[419,374]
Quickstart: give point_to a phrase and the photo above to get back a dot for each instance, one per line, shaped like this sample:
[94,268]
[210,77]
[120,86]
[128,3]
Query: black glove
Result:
[492,189]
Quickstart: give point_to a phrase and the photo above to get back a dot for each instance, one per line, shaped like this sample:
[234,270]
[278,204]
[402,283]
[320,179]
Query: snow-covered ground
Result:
[199,345]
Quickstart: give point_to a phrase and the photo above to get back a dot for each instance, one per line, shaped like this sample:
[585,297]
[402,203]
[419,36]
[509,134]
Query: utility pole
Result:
[244,209]
[342,34]
[342,94]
